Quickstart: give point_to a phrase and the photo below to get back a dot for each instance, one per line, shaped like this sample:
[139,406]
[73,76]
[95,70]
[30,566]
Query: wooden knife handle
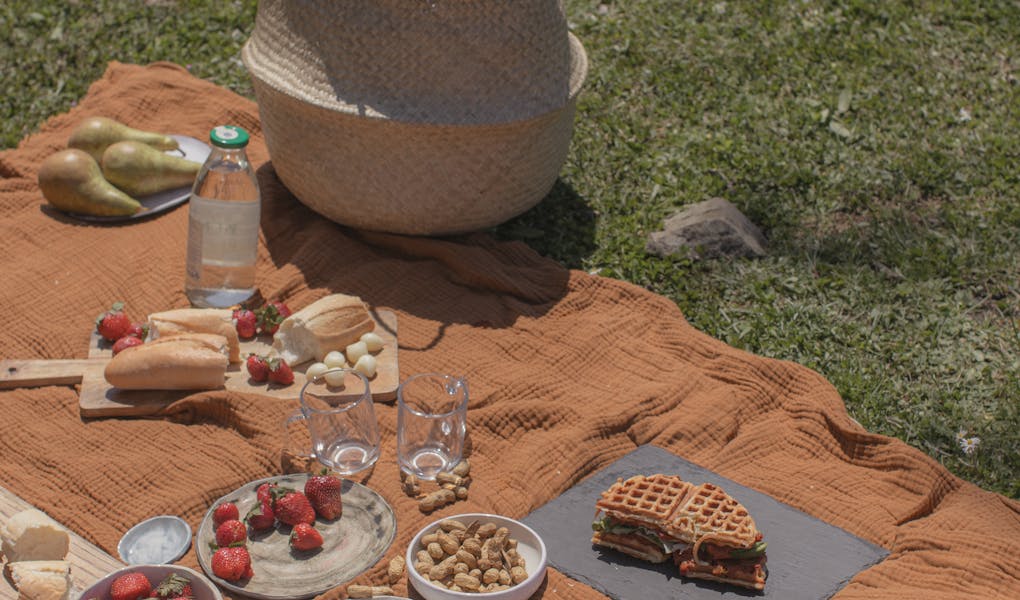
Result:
[37,373]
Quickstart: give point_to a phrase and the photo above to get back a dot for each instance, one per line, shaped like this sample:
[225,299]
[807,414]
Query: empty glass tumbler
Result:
[337,407]
[431,423]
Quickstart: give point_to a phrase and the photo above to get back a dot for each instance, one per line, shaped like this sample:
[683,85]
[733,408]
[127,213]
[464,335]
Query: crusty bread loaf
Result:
[183,361]
[42,579]
[32,535]
[328,324]
[197,320]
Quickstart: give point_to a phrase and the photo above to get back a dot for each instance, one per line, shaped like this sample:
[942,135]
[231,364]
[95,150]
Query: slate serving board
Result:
[807,558]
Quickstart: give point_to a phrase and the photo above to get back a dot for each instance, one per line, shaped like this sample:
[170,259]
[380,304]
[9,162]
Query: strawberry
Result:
[126,342]
[225,512]
[294,508]
[130,586]
[258,367]
[265,492]
[305,537]
[174,587]
[246,322]
[230,533]
[113,324]
[280,372]
[232,563]
[261,517]
[323,492]
[138,330]
[271,315]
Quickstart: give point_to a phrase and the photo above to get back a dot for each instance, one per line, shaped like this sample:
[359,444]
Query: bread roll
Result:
[184,361]
[330,323]
[42,579]
[197,320]
[33,535]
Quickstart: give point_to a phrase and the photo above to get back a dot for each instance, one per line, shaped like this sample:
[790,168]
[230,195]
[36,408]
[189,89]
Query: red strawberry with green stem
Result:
[130,586]
[113,324]
[246,323]
[174,587]
[231,533]
[305,537]
[280,372]
[258,367]
[225,512]
[261,516]
[323,491]
[265,492]
[232,563]
[271,315]
[293,508]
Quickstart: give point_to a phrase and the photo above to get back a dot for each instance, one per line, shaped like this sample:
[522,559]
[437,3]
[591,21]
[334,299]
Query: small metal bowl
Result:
[159,540]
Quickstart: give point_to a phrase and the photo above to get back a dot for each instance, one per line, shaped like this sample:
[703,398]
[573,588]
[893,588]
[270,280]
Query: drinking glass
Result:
[337,408]
[431,423]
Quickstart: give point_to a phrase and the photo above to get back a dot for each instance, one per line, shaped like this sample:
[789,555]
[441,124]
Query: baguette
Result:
[197,320]
[32,535]
[42,579]
[329,323]
[184,361]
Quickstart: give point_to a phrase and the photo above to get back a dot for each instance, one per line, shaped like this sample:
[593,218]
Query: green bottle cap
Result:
[228,136]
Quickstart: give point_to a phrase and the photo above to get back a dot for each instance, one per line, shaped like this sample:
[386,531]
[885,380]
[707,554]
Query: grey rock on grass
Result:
[710,229]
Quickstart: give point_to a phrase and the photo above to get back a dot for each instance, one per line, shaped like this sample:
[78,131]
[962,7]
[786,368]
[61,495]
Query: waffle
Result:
[643,499]
[709,511]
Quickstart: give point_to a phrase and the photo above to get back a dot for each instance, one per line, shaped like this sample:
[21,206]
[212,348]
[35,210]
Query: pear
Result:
[72,181]
[94,134]
[139,169]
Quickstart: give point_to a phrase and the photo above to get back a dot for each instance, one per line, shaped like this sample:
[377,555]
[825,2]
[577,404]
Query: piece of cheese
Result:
[42,579]
[32,535]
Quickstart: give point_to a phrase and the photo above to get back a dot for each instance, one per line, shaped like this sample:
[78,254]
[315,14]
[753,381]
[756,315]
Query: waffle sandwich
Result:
[707,533]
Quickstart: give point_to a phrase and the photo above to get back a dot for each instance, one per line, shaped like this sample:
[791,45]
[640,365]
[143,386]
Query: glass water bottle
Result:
[223,224]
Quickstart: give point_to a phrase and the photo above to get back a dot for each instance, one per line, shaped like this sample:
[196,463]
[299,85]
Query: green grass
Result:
[874,143]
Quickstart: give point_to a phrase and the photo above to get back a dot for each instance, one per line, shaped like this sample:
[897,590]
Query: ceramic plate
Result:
[352,543]
[191,149]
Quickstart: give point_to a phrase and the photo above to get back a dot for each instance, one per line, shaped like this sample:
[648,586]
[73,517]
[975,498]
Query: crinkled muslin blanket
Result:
[567,373]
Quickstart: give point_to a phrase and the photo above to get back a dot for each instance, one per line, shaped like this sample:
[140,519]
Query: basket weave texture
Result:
[415,117]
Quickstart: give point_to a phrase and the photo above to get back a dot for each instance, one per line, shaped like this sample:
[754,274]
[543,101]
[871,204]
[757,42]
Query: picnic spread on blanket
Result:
[490,422]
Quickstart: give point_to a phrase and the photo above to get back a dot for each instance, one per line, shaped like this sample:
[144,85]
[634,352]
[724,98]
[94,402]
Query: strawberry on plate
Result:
[225,512]
[232,563]
[305,537]
[231,533]
[293,508]
[265,492]
[174,587]
[113,324]
[130,586]
[138,330]
[261,516]
[323,491]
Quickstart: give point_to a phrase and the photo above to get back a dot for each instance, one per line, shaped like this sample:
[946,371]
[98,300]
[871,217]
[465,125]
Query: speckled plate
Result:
[352,543]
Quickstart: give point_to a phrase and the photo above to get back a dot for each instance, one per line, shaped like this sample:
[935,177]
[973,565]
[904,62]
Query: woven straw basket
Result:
[415,116]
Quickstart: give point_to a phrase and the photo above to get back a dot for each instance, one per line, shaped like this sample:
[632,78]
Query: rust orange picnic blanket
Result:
[567,372]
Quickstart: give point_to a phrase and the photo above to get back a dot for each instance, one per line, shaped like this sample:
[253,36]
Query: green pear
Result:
[140,170]
[95,134]
[71,180]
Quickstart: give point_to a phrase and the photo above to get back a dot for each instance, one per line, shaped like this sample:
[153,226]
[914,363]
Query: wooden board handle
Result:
[37,373]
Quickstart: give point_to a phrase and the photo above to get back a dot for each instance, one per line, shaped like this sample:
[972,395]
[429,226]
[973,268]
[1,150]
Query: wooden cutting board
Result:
[98,398]
[88,562]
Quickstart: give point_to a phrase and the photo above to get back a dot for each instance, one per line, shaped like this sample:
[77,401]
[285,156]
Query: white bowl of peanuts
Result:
[476,555]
